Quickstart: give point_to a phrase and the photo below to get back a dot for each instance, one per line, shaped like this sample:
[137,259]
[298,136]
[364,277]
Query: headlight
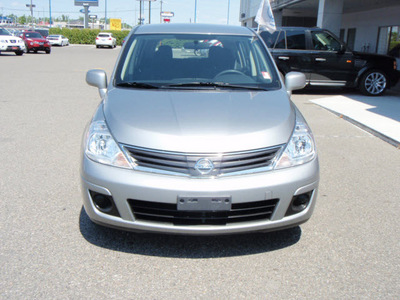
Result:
[300,148]
[101,147]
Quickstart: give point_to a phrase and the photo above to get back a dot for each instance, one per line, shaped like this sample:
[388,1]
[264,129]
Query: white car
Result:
[106,39]
[58,39]
[10,43]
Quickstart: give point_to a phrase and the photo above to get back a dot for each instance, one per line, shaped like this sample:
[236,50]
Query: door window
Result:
[296,39]
[324,41]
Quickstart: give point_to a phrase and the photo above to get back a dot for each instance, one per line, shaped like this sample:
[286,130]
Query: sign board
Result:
[87,3]
[92,16]
[168,14]
[166,20]
[83,11]
[115,24]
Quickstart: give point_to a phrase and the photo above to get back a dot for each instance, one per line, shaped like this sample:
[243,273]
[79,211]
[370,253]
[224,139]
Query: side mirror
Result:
[97,78]
[294,81]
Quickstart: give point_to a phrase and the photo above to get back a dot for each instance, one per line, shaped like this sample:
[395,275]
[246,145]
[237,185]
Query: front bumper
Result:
[39,48]
[12,48]
[121,185]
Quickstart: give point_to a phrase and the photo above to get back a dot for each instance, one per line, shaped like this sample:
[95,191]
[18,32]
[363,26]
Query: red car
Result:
[35,42]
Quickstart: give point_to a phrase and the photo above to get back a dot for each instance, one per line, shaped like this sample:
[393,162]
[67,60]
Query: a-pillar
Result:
[330,15]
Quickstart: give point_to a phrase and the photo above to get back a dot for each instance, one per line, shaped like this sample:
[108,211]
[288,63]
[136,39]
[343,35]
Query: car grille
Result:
[168,213]
[185,164]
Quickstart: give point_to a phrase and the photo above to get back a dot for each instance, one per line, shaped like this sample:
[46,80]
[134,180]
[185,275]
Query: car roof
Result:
[299,28]
[193,28]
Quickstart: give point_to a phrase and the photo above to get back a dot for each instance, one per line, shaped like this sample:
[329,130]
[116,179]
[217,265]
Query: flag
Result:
[265,17]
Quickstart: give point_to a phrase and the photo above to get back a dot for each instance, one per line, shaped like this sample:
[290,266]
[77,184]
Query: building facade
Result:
[365,25]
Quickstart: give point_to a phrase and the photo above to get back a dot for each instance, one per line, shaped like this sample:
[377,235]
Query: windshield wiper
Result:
[139,85]
[215,85]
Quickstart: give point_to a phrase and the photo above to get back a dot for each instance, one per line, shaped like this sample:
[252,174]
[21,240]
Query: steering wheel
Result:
[231,71]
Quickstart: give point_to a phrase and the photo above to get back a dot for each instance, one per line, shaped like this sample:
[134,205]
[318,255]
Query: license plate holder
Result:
[219,203]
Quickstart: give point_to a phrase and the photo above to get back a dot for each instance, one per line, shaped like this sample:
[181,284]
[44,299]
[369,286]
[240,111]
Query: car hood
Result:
[199,121]
[37,39]
[373,57]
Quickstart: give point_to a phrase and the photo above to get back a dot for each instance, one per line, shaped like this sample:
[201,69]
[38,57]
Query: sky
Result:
[208,11]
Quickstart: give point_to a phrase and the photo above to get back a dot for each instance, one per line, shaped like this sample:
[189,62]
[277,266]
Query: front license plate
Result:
[15,48]
[204,203]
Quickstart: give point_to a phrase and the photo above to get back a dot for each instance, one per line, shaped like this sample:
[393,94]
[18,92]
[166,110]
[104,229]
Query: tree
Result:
[22,20]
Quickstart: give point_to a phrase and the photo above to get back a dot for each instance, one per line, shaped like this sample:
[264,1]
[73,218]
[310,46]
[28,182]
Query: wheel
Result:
[373,83]
[19,53]
[97,46]
[35,51]
[48,51]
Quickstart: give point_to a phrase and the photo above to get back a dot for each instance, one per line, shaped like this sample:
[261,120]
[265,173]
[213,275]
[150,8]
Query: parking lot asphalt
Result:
[51,250]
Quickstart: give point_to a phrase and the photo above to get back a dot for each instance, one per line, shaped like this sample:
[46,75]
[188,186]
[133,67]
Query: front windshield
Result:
[4,32]
[184,60]
[33,35]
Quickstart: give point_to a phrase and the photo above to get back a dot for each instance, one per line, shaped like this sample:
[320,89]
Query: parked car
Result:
[14,31]
[105,39]
[10,43]
[58,39]
[35,42]
[395,52]
[43,32]
[327,61]
[197,145]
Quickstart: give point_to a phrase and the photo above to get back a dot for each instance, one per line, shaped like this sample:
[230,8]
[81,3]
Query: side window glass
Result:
[296,39]
[269,39]
[281,40]
[324,41]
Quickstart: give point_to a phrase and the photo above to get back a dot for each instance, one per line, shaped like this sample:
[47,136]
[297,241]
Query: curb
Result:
[383,137]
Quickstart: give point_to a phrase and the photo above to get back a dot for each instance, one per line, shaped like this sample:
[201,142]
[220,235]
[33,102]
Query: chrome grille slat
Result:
[184,163]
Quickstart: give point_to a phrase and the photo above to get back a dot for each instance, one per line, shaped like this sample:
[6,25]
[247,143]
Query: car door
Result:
[290,52]
[332,63]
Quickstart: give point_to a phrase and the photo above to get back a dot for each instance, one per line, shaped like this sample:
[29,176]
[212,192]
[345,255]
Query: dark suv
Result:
[326,61]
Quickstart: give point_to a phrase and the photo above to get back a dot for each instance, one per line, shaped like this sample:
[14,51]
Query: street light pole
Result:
[50,12]
[195,11]
[105,16]
[149,12]
[229,4]
[161,11]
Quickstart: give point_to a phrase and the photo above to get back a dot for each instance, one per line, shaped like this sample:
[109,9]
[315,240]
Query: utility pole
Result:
[31,6]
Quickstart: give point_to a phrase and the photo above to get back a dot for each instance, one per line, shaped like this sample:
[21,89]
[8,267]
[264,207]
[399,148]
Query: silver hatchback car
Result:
[197,142]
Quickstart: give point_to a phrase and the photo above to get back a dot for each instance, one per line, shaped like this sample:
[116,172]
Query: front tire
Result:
[19,53]
[373,83]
